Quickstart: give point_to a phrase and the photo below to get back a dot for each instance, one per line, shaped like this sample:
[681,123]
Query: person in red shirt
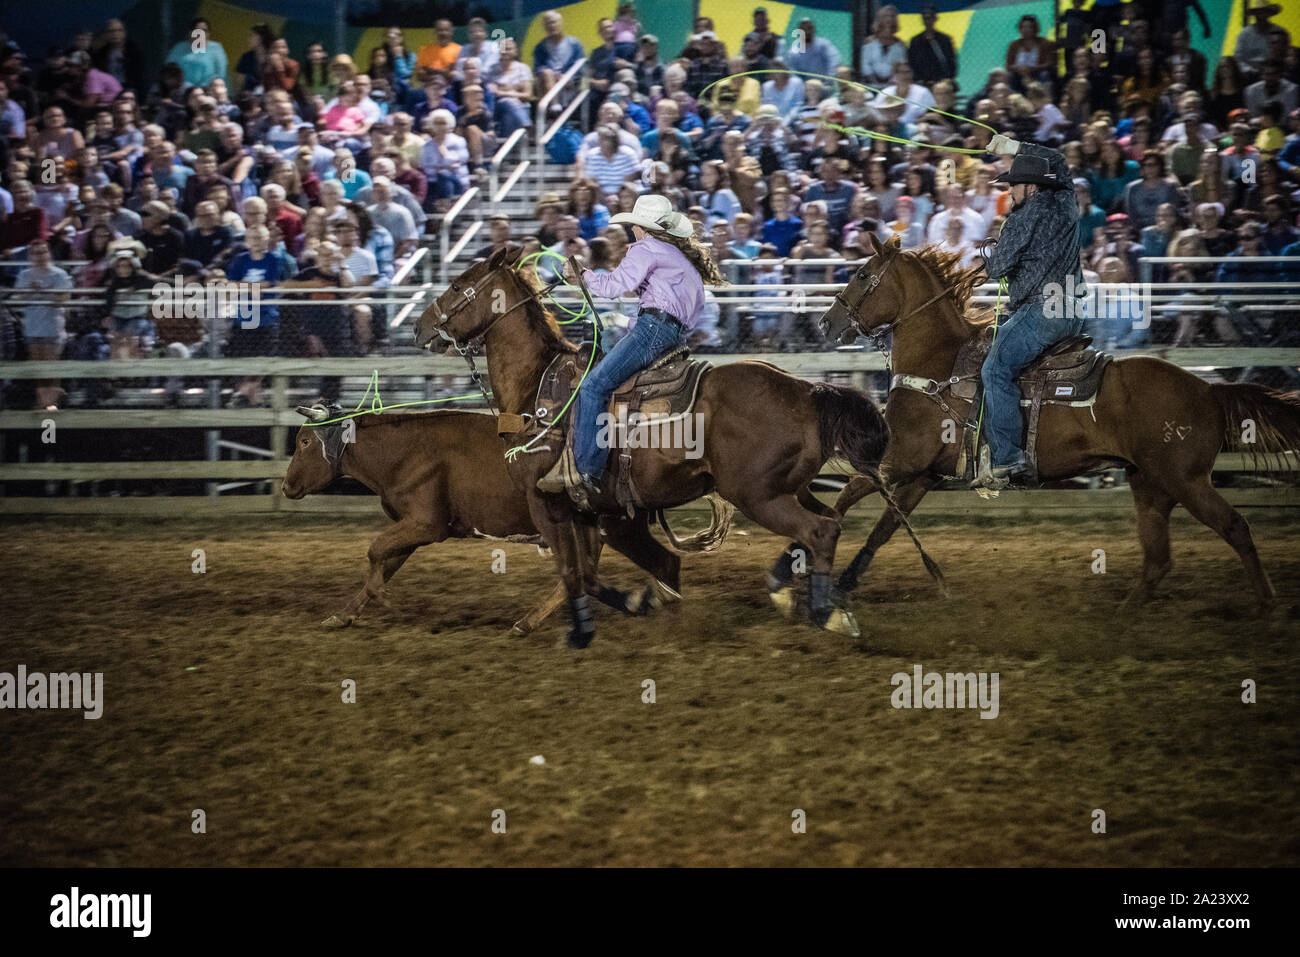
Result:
[278,212]
[26,223]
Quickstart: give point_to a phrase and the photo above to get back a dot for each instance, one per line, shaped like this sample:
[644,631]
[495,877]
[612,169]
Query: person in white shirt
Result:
[445,159]
[903,101]
[955,210]
[884,51]
[784,91]
[1189,108]
[954,242]
[479,46]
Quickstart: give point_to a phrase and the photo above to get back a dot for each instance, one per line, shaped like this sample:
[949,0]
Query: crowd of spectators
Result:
[320,171]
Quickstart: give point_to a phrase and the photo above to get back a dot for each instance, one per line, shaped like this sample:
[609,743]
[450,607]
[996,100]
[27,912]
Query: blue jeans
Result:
[651,338]
[1019,341]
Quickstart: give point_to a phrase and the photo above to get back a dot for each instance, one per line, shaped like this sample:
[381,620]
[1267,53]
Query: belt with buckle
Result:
[660,314]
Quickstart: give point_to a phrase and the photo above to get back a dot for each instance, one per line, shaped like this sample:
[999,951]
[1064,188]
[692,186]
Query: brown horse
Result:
[1162,423]
[440,475]
[765,434]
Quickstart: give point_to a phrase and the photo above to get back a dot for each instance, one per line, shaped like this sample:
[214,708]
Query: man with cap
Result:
[1037,253]
[667,267]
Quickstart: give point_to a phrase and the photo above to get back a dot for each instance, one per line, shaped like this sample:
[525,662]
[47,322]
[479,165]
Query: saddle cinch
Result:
[662,393]
[1068,372]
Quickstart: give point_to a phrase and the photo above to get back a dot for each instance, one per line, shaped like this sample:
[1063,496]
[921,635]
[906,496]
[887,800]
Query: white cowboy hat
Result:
[655,214]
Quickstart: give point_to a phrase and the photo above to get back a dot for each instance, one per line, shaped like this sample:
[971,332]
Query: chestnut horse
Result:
[440,475]
[1161,423]
[765,434]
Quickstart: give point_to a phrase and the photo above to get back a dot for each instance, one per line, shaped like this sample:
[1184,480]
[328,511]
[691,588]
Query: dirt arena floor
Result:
[222,693]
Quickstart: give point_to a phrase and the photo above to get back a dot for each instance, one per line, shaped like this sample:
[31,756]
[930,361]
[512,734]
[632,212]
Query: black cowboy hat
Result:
[1031,169]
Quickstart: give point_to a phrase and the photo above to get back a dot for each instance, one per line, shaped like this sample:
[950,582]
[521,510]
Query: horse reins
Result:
[468,296]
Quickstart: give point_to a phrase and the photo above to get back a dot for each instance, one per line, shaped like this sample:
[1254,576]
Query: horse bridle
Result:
[878,334]
[468,296]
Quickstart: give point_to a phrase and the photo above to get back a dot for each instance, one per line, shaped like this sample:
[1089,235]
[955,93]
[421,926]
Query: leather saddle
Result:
[1068,372]
[663,392]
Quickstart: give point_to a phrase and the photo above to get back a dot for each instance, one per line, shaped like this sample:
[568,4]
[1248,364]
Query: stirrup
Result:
[563,474]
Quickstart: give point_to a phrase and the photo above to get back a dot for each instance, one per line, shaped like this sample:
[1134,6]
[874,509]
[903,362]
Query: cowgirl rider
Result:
[668,268]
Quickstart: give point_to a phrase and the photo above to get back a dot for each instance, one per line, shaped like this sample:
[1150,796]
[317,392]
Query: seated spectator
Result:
[1279,231]
[475,124]
[345,171]
[1117,240]
[584,204]
[716,196]
[783,230]
[834,191]
[479,47]
[1031,57]
[1142,197]
[613,164]
[1112,175]
[512,85]
[554,55]
[393,217]
[813,54]
[973,224]
[1157,237]
[442,53]
[445,160]
[784,91]
[208,242]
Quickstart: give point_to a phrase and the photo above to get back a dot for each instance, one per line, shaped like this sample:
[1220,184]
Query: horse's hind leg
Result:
[794,560]
[907,496]
[1153,506]
[1200,498]
[631,537]
[786,517]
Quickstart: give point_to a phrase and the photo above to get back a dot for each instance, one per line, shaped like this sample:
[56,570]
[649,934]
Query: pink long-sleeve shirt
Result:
[659,273]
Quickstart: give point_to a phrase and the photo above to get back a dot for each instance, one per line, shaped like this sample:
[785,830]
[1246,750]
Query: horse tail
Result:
[709,539]
[1270,417]
[850,425]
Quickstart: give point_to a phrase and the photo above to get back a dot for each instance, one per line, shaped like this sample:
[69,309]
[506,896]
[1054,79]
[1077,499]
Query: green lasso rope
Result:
[861,131]
[378,407]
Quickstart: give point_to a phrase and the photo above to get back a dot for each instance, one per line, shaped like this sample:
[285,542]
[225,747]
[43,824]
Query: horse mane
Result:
[539,316]
[945,266]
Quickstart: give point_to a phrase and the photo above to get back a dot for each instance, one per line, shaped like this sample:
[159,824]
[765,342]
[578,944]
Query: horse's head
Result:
[474,300]
[317,451]
[873,298]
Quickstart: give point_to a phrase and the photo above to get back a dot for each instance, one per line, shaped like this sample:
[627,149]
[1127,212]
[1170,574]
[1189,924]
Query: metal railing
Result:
[497,192]
[540,123]
[444,230]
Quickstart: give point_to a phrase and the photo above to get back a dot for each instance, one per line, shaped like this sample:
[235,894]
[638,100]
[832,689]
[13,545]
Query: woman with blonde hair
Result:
[668,269]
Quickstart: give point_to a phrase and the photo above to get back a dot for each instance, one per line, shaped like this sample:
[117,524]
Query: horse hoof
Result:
[334,621]
[842,622]
[578,641]
[664,594]
[783,598]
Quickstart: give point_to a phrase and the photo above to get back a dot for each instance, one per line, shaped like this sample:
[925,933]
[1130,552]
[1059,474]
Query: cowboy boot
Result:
[563,474]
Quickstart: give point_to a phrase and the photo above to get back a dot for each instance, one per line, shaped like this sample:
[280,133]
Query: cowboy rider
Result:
[668,268]
[1037,252]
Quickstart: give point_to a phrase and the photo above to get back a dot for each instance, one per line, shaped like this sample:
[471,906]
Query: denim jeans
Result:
[1020,340]
[651,338]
